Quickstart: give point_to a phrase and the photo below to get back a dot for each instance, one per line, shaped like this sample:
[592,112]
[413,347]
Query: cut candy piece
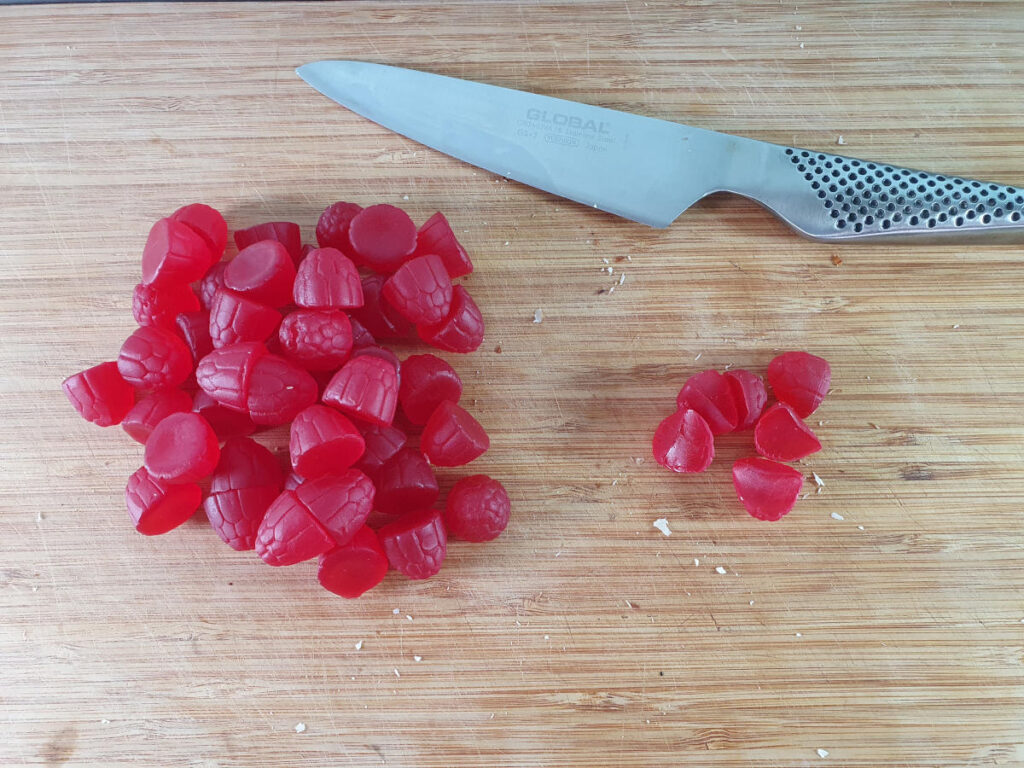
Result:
[317,339]
[382,236]
[264,272]
[477,509]
[225,373]
[781,435]
[332,227]
[452,437]
[182,449]
[195,329]
[235,515]
[384,354]
[154,358]
[355,568]
[750,396]
[365,387]
[436,236]
[462,331]
[800,380]
[278,390]
[327,279]
[426,381]
[161,304]
[100,394]
[416,543]
[157,507]
[767,489]
[684,443]
[174,253]
[420,290]
[208,223]
[284,232]
[340,503]
[142,419]
[406,483]
[323,441]
[235,318]
[710,394]
[289,533]
[378,316]
[226,422]
[382,443]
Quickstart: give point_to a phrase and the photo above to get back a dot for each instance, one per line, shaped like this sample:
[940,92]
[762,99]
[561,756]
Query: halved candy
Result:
[244,463]
[420,290]
[384,354]
[263,271]
[156,506]
[365,387]
[340,503]
[100,394]
[353,569]
[436,236]
[427,380]
[477,509]
[225,373]
[800,380]
[323,441]
[161,304]
[226,422]
[212,282]
[416,543]
[174,253]
[683,442]
[278,390]
[154,358]
[767,489]
[452,437]
[327,279]
[236,318]
[462,331]
[317,339]
[405,483]
[284,232]
[183,448]
[142,419]
[195,329]
[332,227]
[710,394]
[289,533]
[208,223]
[382,236]
[781,435]
[749,394]
[376,315]
[235,515]
[382,443]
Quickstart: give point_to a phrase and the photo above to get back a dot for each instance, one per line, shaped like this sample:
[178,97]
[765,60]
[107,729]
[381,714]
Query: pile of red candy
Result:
[226,349]
[712,403]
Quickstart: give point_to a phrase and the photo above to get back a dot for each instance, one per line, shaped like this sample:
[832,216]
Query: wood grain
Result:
[583,637]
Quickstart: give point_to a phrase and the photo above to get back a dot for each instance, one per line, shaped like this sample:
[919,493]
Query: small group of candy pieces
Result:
[285,333]
[712,403]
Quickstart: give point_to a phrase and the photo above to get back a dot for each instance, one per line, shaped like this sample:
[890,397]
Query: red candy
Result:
[195,329]
[767,489]
[323,441]
[161,304]
[226,422]
[405,483]
[710,394]
[289,534]
[781,435]
[244,463]
[278,390]
[378,316]
[366,387]
[383,353]
[157,507]
[684,443]
[212,282]
[154,358]
[353,569]
[426,381]
[100,394]
[317,339]
[142,419]
[800,380]
[332,228]
[236,318]
[208,224]
[462,331]
[749,395]
[327,279]
[340,503]
[452,437]
[382,237]
[182,448]
[293,481]
[235,515]
[284,232]
[420,290]
[381,444]
[174,253]
[264,272]
[360,336]
[225,373]
[436,236]
[416,543]
[477,509]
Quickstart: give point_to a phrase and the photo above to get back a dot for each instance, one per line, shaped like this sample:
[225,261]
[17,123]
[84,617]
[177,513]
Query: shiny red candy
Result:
[208,224]
[278,390]
[382,237]
[226,422]
[376,315]
[316,339]
[235,318]
[749,395]
[332,228]
[381,444]
[212,282]
[366,387]
[781,435]
[351,570]
[426,381]
[360,336]
[322,441]
[194,327]
[767,489]
[436,236]
[247,479]
[477,509]
[416,543]
[225,373]
[156,506]
[264,272]
[161,304]
[289,534]
[462,331]
[154,358]
[384,354]
[174,253]
[244,463]
[710,394]
[452,437]
[800,380]
[406,483]
[339,502]
[327,279]
[100,394]
[142,419]
[684,443]
[284,232]
[183,448]
[420,290]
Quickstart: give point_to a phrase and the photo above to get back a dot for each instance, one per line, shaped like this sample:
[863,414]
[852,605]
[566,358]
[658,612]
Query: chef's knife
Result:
[651,170]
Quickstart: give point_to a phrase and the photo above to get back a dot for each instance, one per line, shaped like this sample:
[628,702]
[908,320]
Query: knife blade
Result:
[651,170]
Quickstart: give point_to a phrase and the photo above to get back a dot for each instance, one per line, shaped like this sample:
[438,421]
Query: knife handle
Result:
[835,198]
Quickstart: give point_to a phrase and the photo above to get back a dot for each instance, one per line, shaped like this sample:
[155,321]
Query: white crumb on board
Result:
[417,658]
[956,326]
[698,357]
[359,645]
[622,278]
[823,753]
[837,516]
[662,525]
[558,553]
[39,517]
[751,602]
[396,611]
[300,727]
[720,569]
[605,261]
[628,257]
[630,605]
[408,617]
[547,637]
[612,289]
[696,561]
[538,315]
[405,197]
[840,141]
[107,722]
[799,28]
[817,480]
[508,242]
[861,528]
[397,674]
[799,634]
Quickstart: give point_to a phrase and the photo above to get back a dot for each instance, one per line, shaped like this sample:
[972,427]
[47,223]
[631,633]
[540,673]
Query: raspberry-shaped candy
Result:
[244,463]
[323,441]
[247,479]
[366,387]
[382,237]
[382,443]
[235,318]
[263,271]
[781,435]
[436,236]
[142,419]
[332,228]
[749,394]
[340,502]
[477,509]
[278,390]
[157,507]
[683,442]
[100,394]
[289,534]
[195,329]
[226,422]
[182,448]
[327,279]
[225,373]
[351,570]
[154,358]
[212,282]
[452,437]
[767,489]
[420,290]
[284,232]
[416,543]
[174,253]
[161,304]
[801,380]
[384,354]
[427,380]
[208,224]
[710,394]
[317,339]
[378,316]
[462,331]
[406,483]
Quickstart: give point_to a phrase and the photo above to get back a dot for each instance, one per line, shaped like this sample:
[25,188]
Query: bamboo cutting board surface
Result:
[881,622]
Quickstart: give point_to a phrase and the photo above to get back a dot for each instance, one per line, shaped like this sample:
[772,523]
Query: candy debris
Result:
[662,525]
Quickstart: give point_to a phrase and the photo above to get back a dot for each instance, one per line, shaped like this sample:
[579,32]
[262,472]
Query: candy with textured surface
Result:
[293,481]
[800,380]
[366,387]
[436,236]
[355,568]
[100,394]
[381,444]
[263,271]
[182,448]
[767,489]
[195,329]
[749,395]
[154,358]
[226,422]
[416,543]
[244,463]
[462,331]
[323,441]
[157,507]
[781,435]
[384,354]
[477,509]
[683,442]
[235,515]
[382,237]
[174,253]
[327,279]
[235,318]
[284,232]
[142,419]
[212,282]
[340,503]
[405,483]
[317,339]
[208,223]
[161,304]
[420,290]
[225,373]
[332,227]
[710,394]
[278,390]
[426,381]
[378,316]
[452,437]
[289,533]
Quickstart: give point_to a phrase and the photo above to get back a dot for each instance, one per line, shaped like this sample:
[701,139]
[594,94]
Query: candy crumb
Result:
[751,602]
[605,261]
[397,673]
[817,480]
[622,278]
[107,722]
[696,561]
[956,326]
[837,516]
[39,517]
[417,658]
[408,617]
[823,753]
[861,528]
[396,611]
[799,634]
[359,645]
[662,525]
[538,315]
[630,605]
[698,357]
[720,569]
[300,727]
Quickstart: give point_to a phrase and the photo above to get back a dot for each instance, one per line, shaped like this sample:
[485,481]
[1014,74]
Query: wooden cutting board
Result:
[880,622]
